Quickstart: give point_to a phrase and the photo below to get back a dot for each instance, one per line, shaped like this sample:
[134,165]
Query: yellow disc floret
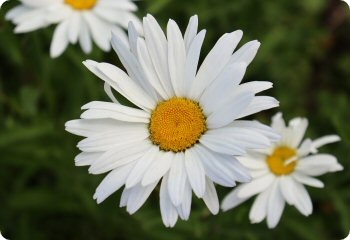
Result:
[81,4]
[277,161]
[177,124]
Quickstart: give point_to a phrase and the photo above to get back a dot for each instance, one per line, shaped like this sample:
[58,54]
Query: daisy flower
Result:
[78,20]
[182,130]
[280,173]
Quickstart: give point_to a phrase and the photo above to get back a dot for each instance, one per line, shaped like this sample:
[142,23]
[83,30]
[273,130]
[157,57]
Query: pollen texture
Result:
[277,161]
[81,4]
[177,124]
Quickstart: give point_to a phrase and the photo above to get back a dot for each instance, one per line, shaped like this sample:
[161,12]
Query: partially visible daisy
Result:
[347,2]
[280,173]
[184,130]
[78,20]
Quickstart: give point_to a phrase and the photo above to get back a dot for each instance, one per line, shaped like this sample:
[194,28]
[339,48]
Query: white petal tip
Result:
[215,211]
[241,194]
[238,33]
[337,168]
[225,208]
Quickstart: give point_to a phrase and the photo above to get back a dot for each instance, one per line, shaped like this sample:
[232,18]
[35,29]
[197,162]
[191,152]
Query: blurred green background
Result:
[305,52]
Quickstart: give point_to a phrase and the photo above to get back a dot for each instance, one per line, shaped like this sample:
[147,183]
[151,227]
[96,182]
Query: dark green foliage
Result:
[305,52]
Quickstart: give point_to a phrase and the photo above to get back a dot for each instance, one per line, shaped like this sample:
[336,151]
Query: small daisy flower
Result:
[280,173]
[78,21]
[183,130]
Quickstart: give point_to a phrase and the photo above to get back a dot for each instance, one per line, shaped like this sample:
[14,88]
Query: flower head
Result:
[280,173]
[78,20]
[184,130]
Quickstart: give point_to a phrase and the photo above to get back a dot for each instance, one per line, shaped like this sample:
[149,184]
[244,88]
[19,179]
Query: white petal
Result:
[260,206]
[158,168]
[138,172]
[303,202]
[125,196]
[60,40]
[158,51]
[299,126]
[90,127]
[305,148]
[99,29]
[58,13]
[38,3]
[318,164]
[256,186]
[184,208]
[148,69]
[255,86]
[215,61]
[276,205]
[118,31]
[31,24]
[230,111]
[191,31]
[112,182]
[16,11]
[295,194]
[92,66]
[177,179]
[133,35]
[222,86]
[258,127]
[259,173]
[108,91]
[258,104]
[210,197]
[167,209]
[138,196]
[317,143]
[287,189]
[310,181]
[132,66]
[119,112]
[74,27]
[85,37]
[233,141]
[119,156]
[195,172]
[252,162]
[216,171]
[239,171]
[121,81]
[278,123]
[121,4]
[118,108]
[117,17]
[246,53]
[176,58]
[113,15]
[231,200]
[86,159]
[192,59]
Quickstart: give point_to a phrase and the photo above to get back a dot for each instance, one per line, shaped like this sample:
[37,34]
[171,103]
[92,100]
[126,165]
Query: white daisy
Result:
[183,128]
[280,173]
[78,20]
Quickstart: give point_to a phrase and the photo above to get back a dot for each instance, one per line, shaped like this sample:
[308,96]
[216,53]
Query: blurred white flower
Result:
[347,2]
[78,20]
[2,238]
[280,173]
[2,2]
[183,128]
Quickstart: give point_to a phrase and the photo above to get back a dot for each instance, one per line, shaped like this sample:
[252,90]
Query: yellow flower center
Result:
[177,124]
[81,4]
[277,161]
